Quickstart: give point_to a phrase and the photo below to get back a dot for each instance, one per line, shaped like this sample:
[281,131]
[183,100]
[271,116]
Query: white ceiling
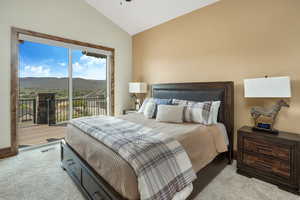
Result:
[139,15]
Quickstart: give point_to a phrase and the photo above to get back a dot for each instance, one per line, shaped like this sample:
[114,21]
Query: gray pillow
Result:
[149,110]
[170,113]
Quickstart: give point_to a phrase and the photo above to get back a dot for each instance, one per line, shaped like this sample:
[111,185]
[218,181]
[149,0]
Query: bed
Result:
[97,181]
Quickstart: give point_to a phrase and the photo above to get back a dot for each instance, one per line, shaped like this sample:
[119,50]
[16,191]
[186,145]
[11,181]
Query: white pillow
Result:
[142,108]
[149,110]
[215,111]
[169,113]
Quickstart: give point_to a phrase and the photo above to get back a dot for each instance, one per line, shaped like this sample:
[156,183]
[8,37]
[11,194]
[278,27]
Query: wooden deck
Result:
[39,134]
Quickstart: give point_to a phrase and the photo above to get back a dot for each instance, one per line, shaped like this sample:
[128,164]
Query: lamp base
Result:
[271,131]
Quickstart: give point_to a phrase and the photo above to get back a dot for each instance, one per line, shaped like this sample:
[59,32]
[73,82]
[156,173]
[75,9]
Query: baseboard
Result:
[6,152]
[39,146]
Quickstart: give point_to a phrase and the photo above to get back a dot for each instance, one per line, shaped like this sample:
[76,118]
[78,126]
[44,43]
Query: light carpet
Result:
[37,175]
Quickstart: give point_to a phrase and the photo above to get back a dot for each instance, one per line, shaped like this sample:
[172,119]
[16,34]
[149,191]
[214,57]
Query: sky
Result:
[41,60]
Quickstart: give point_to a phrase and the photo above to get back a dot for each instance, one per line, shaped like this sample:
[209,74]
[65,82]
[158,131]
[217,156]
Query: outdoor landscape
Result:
[89,98]
[31,86]
[45,69]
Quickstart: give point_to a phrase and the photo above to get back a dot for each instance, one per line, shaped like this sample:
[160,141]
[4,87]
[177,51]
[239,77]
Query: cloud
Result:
[35,71]
[85,67]
[90,68]
[89,60]
[77,67]
[62,64]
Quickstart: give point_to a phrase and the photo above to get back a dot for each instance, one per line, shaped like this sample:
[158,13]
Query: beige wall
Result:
[228,41]
[73,19]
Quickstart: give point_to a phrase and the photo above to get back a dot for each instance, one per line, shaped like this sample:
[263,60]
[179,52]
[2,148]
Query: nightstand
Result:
[274,158]
[128,111]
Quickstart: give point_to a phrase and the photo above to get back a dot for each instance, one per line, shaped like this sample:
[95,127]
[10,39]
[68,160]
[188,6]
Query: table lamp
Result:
[138,89]
[268,87]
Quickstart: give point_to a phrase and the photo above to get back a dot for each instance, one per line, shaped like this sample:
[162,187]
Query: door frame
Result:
[14,83]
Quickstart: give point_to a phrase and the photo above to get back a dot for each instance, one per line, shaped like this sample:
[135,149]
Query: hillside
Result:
[60,83]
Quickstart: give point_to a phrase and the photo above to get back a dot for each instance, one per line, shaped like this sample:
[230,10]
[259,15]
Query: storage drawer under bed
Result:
[79,173]
[92,187]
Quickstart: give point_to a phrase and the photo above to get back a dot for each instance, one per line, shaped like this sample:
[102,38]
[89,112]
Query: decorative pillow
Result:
[215,111]
[161,102]
[179,102]
[150,109]
[142,108]
[169,113]
[198,112]
[213,118]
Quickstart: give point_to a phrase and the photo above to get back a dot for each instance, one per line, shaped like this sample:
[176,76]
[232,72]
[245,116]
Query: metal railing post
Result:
[48,120]
[34,110]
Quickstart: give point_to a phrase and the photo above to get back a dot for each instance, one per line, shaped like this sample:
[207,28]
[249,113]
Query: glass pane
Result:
[89,84]
[43,81]
[43,93]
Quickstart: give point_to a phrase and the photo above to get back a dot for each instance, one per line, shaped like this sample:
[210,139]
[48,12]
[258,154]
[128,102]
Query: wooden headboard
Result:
[204,91]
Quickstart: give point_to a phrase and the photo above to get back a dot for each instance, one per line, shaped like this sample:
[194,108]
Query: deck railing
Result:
[27,111]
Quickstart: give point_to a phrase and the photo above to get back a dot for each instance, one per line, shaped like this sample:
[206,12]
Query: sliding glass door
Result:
[58,82]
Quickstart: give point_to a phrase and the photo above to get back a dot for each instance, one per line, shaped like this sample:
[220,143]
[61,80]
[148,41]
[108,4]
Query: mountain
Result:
[61,83]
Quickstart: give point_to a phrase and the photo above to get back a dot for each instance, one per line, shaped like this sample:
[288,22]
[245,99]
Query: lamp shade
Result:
[137,87]
[273,87]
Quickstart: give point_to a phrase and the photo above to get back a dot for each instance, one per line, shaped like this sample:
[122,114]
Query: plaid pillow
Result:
[198,112]
[213,113]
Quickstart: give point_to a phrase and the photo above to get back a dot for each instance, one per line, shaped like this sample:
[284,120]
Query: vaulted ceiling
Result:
[139,15]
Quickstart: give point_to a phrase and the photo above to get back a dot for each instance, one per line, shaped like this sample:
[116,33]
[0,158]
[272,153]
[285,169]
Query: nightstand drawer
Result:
[267,148]
[266,164]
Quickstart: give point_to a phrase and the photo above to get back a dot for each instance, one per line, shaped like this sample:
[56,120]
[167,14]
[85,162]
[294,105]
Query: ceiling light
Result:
[121,2]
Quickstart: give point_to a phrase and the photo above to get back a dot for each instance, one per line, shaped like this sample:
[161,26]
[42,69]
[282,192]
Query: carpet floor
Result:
[37,175]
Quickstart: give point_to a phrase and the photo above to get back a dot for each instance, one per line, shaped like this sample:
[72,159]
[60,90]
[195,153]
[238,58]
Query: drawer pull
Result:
[264,149]
[263,164]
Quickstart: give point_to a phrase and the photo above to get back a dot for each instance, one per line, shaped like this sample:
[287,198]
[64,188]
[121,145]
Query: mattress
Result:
[201,143]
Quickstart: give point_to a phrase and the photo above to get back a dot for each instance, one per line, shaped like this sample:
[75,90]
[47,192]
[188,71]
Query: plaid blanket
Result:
[162,166]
